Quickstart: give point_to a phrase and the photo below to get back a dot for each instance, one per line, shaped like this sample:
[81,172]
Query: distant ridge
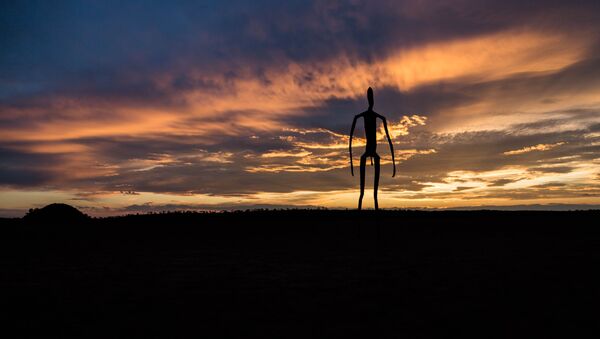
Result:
[64,209]
[532,207]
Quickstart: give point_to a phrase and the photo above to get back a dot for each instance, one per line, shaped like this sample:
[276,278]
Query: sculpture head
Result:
[370,97]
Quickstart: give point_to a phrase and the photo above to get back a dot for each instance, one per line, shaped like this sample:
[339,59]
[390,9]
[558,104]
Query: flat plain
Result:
[303,274]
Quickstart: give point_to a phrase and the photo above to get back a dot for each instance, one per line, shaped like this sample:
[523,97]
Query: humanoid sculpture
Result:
[370,120]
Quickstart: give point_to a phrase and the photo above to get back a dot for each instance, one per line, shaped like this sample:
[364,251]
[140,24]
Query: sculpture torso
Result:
[370,120]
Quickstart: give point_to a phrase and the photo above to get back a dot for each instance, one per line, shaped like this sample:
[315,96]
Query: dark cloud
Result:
[405,184]
[501,182]
[19,177]
[551,185]
[463,188]
[24,169]
[112,48]
[558,169]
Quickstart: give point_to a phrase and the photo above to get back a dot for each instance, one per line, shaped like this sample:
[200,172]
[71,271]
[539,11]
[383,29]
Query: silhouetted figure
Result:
[370,117]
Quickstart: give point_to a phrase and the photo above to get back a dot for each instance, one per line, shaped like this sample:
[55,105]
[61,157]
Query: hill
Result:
[56,214]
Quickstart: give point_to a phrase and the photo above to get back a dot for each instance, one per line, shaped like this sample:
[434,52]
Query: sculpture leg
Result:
[376,181]
[363,164]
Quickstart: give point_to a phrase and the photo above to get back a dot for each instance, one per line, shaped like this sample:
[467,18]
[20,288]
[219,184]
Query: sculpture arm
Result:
[387,134]
[350,146]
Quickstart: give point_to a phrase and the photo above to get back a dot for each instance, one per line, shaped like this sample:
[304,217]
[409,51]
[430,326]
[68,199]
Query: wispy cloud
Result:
[538,147]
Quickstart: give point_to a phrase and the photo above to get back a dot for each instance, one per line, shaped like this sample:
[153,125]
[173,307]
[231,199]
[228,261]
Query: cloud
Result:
[538,147]
[552,169]
[501,182]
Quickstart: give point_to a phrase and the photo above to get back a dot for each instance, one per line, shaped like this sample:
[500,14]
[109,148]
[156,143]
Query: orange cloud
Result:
[251,104]
[539,147]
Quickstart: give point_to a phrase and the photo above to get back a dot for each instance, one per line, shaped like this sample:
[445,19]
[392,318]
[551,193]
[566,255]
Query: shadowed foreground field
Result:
[304,274]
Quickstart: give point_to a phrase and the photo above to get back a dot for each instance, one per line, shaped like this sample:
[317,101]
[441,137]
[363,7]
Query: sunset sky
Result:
[133,106]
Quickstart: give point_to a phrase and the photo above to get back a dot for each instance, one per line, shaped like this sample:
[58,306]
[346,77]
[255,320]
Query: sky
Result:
[135,106]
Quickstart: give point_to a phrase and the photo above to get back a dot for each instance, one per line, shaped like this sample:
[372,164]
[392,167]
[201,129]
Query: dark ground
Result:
[304,274]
